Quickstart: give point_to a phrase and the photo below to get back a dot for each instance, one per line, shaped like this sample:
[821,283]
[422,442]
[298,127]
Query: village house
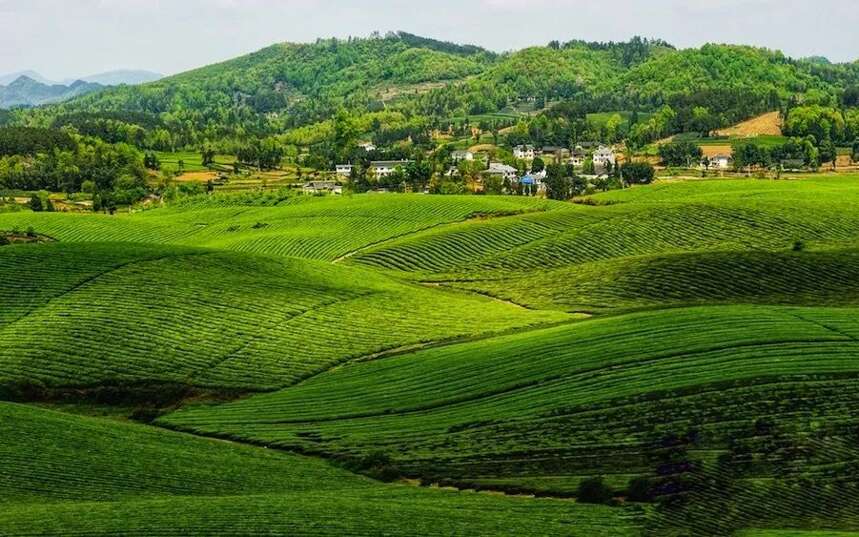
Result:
[604,155]
[577,157]
[458,156]
[344,170]
[557,153]
[367,146]
[721,162]
[384,168]
[322,187]
[502,170]
[524,152]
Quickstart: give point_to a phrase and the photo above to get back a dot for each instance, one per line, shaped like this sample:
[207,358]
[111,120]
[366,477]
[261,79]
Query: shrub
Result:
[640,490]
[594,490]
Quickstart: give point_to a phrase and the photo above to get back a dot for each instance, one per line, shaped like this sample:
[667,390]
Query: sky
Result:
[74,38]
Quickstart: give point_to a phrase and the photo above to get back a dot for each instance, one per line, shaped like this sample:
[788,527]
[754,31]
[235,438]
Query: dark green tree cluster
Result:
[680,154]
[111,170]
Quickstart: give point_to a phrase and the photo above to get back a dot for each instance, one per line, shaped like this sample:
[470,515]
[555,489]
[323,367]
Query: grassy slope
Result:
[65,475]
[132,313]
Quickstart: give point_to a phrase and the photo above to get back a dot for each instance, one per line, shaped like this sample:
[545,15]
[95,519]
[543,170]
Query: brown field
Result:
[713,150]
[483,147]
[199,177]
[766,124]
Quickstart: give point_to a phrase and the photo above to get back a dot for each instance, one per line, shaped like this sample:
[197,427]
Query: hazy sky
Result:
[68,38]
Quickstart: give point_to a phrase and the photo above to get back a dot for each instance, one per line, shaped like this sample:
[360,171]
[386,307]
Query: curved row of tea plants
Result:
[309,227]
[552,405]
[825,277]
[131,314]
[663,218]
[71,475]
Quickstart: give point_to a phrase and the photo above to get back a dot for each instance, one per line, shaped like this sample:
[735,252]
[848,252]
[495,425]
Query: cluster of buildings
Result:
[601,155]
[379,168]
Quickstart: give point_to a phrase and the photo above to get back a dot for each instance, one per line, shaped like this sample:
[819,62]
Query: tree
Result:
[36,203]
[208,157]
[418,175]
[855,152]
[641,173]
[827,152]
[151,162]
[680,153]
[538,165]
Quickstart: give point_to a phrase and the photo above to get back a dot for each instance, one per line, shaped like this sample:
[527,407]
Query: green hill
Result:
[287,86]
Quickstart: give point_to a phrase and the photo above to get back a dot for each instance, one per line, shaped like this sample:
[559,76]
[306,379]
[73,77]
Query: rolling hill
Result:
[687,348]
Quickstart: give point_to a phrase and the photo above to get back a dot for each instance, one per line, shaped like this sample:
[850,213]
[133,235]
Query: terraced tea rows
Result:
[664,218]
[72,475]
[314,228]
[397,512]
[209,318]
[48,456]
[544,404]
[828,277]
[458,247]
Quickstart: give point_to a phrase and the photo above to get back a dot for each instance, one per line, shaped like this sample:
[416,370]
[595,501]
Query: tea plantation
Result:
[668,360]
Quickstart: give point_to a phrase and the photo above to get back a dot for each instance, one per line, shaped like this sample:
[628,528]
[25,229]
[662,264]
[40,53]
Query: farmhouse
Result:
[344,170]
[322,187]
[793,164]
[558,153]
[577,157]
[503,170]
[458,156]
[604,155]
[721,162]
[525,152]
[384,168]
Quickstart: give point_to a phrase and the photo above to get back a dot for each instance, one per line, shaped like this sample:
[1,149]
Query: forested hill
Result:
[428,82]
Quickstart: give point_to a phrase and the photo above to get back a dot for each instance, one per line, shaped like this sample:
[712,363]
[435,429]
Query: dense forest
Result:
[428,83]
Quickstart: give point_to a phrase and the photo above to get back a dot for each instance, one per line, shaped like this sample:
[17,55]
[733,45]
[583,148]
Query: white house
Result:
[367,146]
[457,156]
[503,170]
[721,162]
[344,170]
[604,155]
[384,168]
[322,187]
[525,152]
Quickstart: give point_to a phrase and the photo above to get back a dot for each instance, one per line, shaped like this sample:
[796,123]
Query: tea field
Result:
[666,360]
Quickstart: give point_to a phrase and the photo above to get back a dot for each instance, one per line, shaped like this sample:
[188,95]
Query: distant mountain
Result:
[123,76]
[5,80]
[26,91]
